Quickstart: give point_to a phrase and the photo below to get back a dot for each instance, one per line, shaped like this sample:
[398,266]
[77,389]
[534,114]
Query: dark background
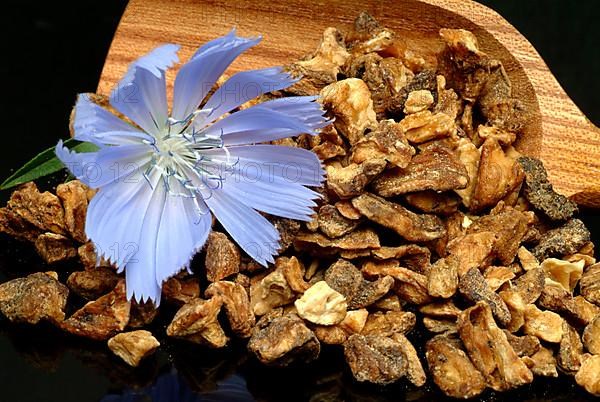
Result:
[53,51]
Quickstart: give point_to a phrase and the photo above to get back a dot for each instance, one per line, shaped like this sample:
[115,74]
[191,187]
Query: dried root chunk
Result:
[435,168]
[346,209]
[337,334]
[414,370]
[351,180]
[546,325]
[42,210]
[447,101]
[554,297]
[443,309]
[333,224]
[330,335]
[440,326]
[389,323]
[468,154]
[411,256]
[564,240]
[74,197]
[368,36]
[237,306]
[328,150]
[588,375]
[370,292]
[498,276]
[93,283]
[587,260]
[329,56]
[197,322]
[482,79]
[542,363]
[502,136]
[475,288]
[452,370]
[490,351]
[17,227]
[516,305]
[390,302]
[410,285]
[407,224]
[563,273]
[141,314]
[579,311]
[375,359]
[527,259]
[530,285]
[222,257]
[344,277]
[591,336]
[384,77]
[322,305]
[350,103]
[474,250]
[433,203]
[133,346]
[293,271]
[54,248]
[590,284]
[442,280]
[509,226]
[570,352]
[418,101]
[284,340]
[539,192]
[181,290]
[425,126]
[355,321]
[386,142]
[102,318]
[498,175]
[288,229]
[269,292]
[87,256]
[36,297]
[360,239]
[526,345]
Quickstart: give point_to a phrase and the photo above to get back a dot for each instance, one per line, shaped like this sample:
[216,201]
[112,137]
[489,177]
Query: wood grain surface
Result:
[559,133]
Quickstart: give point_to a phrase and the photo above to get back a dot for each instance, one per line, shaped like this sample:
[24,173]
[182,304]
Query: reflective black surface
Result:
[50,52]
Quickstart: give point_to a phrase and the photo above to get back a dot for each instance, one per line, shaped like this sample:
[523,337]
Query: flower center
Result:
[189,161]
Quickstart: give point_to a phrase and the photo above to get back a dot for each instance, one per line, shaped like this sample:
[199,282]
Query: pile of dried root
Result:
[429,217]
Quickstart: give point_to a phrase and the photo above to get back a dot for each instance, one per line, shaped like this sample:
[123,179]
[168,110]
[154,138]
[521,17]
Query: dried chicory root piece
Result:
[133,346]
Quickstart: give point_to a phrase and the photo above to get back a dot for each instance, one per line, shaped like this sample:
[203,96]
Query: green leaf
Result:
[44,164]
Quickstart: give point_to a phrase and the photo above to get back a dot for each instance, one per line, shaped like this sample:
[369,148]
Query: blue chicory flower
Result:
[161,179]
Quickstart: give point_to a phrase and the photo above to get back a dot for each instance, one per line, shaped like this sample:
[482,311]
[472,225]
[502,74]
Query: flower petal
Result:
[183,231]
[91,122]
[242,87]
[118,217]
[303,108]
[107,165]
[140,271]
[295,165]
[251,231]
[141,95]
[197,76]
[255,125]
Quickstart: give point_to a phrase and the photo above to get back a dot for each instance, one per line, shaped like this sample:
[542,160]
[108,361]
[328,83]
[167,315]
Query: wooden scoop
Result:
[559,133]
